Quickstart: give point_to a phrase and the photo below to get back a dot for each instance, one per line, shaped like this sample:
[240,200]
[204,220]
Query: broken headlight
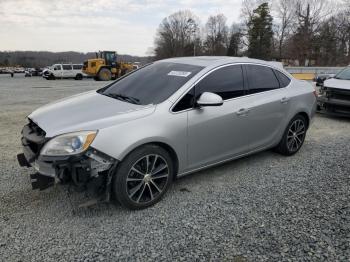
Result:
[69,144]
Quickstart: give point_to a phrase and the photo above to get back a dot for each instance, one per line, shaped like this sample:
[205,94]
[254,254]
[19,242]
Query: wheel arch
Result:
[78,76]
[104,67]
[306,116]
[161,144]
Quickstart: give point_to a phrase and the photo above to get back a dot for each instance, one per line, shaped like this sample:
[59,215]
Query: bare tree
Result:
[309,17]
[216,40]
[285,14]
[176,35]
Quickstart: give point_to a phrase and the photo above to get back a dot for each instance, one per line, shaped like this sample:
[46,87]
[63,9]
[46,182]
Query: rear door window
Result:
[226,82]
[261,79]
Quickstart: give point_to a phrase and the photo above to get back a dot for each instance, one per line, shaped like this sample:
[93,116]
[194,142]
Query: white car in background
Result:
[334,95]
[64,71]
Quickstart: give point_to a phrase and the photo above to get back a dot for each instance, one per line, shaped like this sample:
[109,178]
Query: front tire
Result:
[293,137]
[105,74]
[143,177]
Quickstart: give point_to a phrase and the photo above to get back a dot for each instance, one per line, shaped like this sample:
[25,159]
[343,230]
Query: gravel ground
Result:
[260,208]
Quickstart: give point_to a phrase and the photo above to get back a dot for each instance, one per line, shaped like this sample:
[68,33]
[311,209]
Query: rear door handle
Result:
[285,100]
[243,112]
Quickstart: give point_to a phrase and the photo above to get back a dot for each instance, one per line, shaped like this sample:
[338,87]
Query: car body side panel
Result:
[303,99]
[266,117]
[216,133]
[171,129]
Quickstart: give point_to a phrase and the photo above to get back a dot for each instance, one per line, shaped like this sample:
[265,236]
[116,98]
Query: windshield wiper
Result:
[121,97]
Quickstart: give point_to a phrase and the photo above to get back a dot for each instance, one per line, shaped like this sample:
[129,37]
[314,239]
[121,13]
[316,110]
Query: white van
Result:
[64,71]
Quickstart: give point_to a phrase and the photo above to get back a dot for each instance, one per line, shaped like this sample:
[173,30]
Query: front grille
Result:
[336,93]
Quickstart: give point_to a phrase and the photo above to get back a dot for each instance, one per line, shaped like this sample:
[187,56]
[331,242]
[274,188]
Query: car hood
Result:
[337,83]
[86,111]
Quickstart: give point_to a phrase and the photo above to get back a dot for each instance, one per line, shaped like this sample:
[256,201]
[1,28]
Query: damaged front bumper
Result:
[334,101]
[91,170]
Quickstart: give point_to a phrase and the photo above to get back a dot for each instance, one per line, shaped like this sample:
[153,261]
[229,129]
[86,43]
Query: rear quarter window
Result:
[282,78]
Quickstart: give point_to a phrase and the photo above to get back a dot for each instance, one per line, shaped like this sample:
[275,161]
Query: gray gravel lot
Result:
[260,208]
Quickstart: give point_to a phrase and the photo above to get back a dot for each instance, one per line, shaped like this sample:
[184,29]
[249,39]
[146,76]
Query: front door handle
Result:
[285,100]
[243,112]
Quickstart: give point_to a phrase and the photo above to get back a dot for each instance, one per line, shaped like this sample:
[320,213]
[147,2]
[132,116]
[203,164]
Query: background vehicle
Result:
[64,71]
[37,72]
[334,96]
[320,78]
[168,119]
[105,66]
[28,72]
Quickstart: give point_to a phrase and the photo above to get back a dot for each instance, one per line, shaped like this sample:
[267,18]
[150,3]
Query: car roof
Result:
[212,61]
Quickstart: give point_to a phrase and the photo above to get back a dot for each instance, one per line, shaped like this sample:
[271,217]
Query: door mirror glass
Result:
[210,99]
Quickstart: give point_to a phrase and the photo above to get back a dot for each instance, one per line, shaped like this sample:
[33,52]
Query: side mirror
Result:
[210,99]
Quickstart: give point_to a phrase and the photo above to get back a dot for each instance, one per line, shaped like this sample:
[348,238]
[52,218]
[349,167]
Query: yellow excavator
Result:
[105,66]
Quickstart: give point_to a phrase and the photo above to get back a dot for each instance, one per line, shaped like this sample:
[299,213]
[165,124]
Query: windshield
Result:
[344,74]
[151,84]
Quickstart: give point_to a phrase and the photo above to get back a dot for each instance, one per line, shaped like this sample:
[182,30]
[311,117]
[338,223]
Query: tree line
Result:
[296,32]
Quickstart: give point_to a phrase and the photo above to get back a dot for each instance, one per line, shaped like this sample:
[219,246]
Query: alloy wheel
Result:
[296,135]
[147,178]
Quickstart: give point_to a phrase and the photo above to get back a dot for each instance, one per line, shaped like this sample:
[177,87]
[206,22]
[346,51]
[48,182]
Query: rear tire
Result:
[143,177]
[105,74]
[293,137]
[79,77]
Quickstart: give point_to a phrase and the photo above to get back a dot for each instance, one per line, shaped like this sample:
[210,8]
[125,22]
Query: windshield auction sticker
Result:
[179,73]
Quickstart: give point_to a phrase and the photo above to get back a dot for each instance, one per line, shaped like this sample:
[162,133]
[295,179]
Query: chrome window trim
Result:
[228,100]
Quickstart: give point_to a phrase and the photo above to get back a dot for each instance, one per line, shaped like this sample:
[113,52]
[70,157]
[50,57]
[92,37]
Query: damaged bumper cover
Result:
[88,169]
[334,101]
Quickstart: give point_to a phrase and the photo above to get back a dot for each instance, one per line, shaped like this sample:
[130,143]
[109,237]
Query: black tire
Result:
[79,77]
[293,137]
[105,74]
[130,186]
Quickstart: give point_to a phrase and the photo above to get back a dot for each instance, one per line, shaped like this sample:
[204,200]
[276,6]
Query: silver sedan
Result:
[173,117]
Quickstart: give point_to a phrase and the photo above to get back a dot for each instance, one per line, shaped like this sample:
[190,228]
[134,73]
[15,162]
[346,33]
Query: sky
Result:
[126,26]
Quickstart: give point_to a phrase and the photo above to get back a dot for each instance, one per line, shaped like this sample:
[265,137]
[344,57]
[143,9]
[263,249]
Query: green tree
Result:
[234,41]
[260,34]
